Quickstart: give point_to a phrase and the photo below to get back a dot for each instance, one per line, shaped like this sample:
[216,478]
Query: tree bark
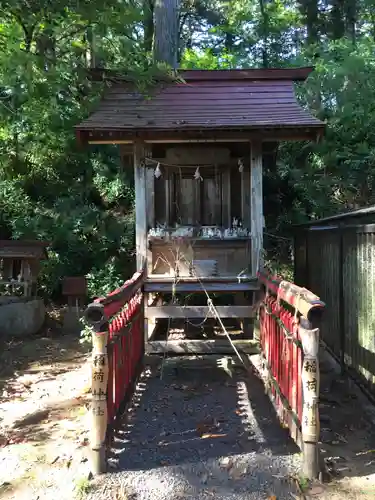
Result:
[166,31]
[310,12]
[91,52]
[265,33]
[337,19]
[148,24]
[351,13]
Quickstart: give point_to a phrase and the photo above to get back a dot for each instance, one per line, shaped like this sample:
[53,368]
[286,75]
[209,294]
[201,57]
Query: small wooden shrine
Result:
[198,144]
[19,266]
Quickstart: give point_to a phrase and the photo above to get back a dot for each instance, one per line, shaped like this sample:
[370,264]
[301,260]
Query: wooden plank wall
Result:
[232,257]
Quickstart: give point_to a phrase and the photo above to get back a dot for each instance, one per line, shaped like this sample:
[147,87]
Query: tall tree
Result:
[265,32]
[310,12]
[148,24]
[351,14]
[166,14]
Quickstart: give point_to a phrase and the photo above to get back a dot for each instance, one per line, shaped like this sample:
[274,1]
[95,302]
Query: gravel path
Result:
[199,433]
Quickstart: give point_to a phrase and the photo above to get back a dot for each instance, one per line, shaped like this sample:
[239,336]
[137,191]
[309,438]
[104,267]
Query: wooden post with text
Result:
[95,318]
[288,322]
[310,393]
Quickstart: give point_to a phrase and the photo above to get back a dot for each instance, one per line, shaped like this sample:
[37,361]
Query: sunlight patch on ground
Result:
[248,415]
[351,488]
[44,421]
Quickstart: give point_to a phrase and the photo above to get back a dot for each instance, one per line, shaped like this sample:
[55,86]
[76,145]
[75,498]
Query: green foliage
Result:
[81,201]
[86,333]
[207,59]
[77,200]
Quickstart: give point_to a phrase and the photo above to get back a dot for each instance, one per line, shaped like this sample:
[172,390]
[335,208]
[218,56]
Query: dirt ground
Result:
[44,422]
[347,437]
[44,400]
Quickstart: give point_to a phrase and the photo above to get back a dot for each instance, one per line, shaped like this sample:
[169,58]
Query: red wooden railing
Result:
[283,353]
[284,310]
[117,321]
[125,349]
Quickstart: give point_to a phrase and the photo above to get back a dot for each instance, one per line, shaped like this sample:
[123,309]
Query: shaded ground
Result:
[347,436]
[200,432]
[196,329]
[43,416]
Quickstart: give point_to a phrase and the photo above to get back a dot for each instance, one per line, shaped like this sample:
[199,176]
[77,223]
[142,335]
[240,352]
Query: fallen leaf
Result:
[316,490]
[365,452]
[209,435]
[210,492]
[227,463]
[341,438]
[272,497]
[202,429]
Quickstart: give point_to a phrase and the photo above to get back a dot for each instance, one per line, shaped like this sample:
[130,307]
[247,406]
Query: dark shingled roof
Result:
[207,100]
[353,214]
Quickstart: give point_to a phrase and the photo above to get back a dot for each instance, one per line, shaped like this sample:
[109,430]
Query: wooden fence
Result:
[117,323]
[338,262]
[290,363]
[289,342]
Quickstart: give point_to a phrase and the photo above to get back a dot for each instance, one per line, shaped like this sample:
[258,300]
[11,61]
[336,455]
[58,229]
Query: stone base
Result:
[21,316]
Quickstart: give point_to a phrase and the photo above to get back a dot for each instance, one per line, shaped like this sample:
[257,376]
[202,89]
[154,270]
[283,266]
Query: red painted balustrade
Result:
[282,352]
[124,310]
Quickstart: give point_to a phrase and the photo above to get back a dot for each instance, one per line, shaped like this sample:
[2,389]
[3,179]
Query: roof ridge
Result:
[290,74]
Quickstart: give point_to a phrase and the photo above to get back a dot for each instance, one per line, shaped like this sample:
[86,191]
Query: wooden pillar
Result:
[150,205]
[150,192]
[310,391]
[240,299]
[99,401]
[256,204]
[96,319]
[140,205]
[226,215]
[245,198]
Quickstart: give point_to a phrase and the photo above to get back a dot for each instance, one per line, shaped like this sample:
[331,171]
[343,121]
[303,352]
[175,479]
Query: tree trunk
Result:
[264,33]
[337,19]
[351,13]
[91,61]
[166,31]
[229,41]
[148,24]
[310,11]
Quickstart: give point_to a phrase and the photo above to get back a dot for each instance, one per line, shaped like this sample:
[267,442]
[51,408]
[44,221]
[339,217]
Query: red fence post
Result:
[96,319]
